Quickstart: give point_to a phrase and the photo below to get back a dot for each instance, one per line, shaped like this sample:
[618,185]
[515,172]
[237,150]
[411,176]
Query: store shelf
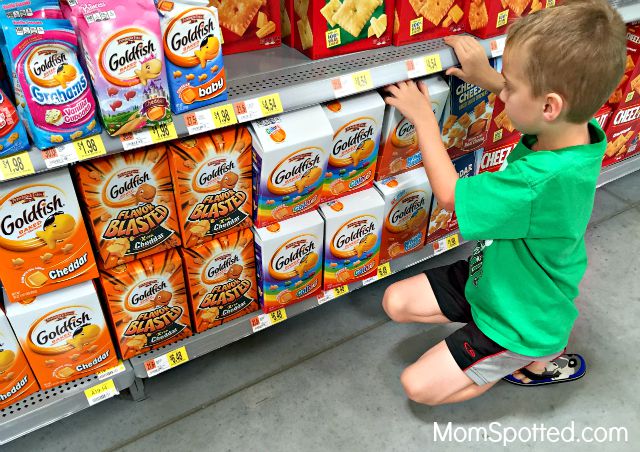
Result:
[618,170]
[45,407]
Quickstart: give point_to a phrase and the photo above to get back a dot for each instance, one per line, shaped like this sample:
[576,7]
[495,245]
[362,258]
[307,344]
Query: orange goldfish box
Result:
[407,200]
[221,279]
[147,302]
[43,239]
[16,378]
[130,203]
[212,180]
[63,334]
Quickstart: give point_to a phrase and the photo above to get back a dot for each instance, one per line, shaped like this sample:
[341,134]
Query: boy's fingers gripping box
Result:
[419,20]
[212,179]
[289,258]
[13,136]
[130,204]
[407,200]
[42,236]
[353,230]
[221,279]
[289,162]
[63,334]
[622,134]
[487,18]
[357,125]
[399,150]
[147,302]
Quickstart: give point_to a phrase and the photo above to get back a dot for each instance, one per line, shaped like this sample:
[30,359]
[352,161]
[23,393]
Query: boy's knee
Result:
[417,390]
[392,303]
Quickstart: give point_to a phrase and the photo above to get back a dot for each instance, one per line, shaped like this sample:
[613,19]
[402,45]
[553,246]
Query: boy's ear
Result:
[553,106]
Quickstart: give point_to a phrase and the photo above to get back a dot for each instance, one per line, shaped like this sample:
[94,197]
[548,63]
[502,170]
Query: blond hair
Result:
[577,50]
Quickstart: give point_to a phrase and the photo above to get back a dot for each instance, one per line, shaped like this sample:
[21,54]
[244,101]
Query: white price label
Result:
[497,46]
[346,85]
[101,392]
[260,322]
[59,156]
[248,110]
[446,244]
[104,374]
[136,140]
[167,361]
[199,121]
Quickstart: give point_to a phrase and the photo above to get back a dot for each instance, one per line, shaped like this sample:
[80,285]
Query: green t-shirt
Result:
[530,219]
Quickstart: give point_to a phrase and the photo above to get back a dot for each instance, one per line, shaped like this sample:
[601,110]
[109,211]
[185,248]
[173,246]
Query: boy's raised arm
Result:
[475,64]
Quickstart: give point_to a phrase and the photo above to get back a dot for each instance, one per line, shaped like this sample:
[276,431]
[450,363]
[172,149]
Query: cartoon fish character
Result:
[84,336]
[162,298]
[57,227]
[145,193]
[115,105]
[366,243]
[149,70]
[209,49]
[306,264]
[66,73]
[6,359]
[308,179]
[364,150]
[235,271]
[129,95]
[111,91]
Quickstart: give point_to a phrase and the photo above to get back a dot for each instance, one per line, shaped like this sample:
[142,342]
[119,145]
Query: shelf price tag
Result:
[224,116]
[432,63]
[346,85]
[90,147]
[419,67]
[59,156]
[101,392]
[446,244]
[17,165]
[271,104]
[333,294]
[167,361]
[248,110]
[497,46]
[163,132]
[278,316]
[384,270]
[199,121]
[103,374]
[262,321]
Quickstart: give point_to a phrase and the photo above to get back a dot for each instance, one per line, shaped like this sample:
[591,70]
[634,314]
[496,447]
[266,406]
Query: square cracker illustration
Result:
[353,15]
[237,15]
[435,10]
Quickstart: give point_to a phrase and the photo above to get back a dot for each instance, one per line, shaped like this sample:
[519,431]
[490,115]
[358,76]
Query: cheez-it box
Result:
[419,20]
[500,129]
[491,159]
[622,134]
[628,90]
[43,239]
[487,18]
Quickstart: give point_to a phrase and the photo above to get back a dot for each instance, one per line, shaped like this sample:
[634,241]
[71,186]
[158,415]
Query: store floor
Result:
[328,379]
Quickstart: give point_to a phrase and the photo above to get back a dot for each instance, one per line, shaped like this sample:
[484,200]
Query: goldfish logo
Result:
[404,135]
[209,176]
[355,237]
[128,57]
[295,258]
[222,267]
[121,188]
[51,68]
[189,39]
[353,143]
[408,213]
[147,294]
[297,172]
[65,329]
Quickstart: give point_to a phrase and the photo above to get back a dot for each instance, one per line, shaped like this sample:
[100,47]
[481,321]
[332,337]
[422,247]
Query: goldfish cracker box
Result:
[123,50]
[191,39]
[419,20]
[221,279]
[147,302]
[289,260]
[289,162]
[357,125]
[399,150]
[130,204]
[63,334]
[43,239]
[487,18]
[353,231]
[407,200]
[16,378]
[13,136]
[212,180]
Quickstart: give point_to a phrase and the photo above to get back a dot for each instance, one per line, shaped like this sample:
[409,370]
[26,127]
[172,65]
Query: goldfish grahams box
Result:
[407,200]
[63,334]
[420,20]
[221,279]
[130,202]
[399,150]
[289,162]
[147,302]
[212,180]
[16,378]
[43,239]
[289,260]
[353,230]
[357,124]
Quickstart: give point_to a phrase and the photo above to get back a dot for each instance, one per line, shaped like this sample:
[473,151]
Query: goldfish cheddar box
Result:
[289,162]
[289,259]
[221,279]
[357,124]
[191,39]
[353,230]
[43,239]
[130,204]
[407,200]
[212,180]
[16,378]
[63,334]
[147,302]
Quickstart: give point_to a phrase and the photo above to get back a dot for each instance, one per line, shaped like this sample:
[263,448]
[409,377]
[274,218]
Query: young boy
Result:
[516,293]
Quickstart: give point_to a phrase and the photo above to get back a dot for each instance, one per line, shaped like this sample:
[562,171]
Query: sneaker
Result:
[566,367]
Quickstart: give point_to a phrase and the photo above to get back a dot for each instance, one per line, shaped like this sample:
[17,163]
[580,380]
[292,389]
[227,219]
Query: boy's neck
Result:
[562,136]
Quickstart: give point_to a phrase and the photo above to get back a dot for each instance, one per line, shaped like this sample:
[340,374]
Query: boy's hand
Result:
[411,99]
[475,64]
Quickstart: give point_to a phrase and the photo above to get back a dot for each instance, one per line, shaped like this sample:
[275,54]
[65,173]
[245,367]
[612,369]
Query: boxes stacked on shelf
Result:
[487,18]
[622,134]
[13,136]
[628,90]
[420,20]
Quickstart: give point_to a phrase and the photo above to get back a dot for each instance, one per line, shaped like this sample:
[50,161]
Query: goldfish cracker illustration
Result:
[356,137]
[288,170]
[63,334]
[407,200]
[51,89]
[16,378]
[147,302]
[399,150]
[43,235]
[221,279]
[192,47]
[289,261]
[131,204]
[13,136]
[126,62]
[212,180]
[352,237]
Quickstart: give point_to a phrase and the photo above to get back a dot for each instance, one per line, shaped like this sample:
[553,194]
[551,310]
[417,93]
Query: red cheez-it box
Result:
[419,20]
[487,18]
[628,90]
[622,134]
[492,159]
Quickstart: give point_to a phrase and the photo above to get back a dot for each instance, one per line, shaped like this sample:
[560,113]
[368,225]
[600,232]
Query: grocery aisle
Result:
[328,380]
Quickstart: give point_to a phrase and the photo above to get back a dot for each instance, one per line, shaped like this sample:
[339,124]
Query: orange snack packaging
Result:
[147,302]
[130,204]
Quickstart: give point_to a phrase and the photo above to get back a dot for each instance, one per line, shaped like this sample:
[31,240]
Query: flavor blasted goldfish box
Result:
[147,302]
[353,230]
[407,200]
[399,150]
[419,20]
[357,124]
[289,260]
[289,161]
[16,378]
[130,204]
[221,279]
[43,239]
[63,334]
